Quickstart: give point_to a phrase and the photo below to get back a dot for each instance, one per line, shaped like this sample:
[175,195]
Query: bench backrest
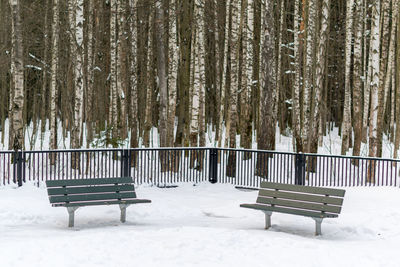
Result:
[63,192]
[319,199]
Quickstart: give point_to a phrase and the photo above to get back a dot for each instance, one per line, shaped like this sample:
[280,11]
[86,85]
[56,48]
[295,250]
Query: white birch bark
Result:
[78,73]
[375,45]
[17,73]
[172,72]
[308,75]
[320,67]
[346,123]
[53,78]
[113,67]
[198,71]
[296,122]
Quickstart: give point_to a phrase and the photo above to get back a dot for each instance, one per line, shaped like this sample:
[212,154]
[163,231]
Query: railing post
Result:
[18,164]
[213,166]
[125,162]
[300,167]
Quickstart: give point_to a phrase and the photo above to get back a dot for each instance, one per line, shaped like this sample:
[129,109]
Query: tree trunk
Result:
[373,124]
[266,136]
[17,72]
[172,72]
[232,121]
[296,116]
[320,68]
[357,78]
[346,124]
[53,79]
[78,83]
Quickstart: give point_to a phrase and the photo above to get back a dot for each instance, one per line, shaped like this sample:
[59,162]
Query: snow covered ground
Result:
[198,225]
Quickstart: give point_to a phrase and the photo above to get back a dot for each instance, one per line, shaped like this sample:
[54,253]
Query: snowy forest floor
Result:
[200,225]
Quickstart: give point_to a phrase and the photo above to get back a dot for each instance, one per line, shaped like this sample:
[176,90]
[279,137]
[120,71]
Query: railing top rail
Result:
[307,154]
[198,148]
[116,149]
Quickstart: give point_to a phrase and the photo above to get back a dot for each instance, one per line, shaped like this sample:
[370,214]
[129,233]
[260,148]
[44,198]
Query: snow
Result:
[200,225]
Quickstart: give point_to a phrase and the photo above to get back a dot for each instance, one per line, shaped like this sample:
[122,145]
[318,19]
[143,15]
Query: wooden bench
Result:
[315,202]
[73,194]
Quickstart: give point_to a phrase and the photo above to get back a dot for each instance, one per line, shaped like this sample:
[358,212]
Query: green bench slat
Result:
[300,205]
[304,189]
[289,211]
[92,181]
[95,203]
[72,198]
[301,197]
[89,189]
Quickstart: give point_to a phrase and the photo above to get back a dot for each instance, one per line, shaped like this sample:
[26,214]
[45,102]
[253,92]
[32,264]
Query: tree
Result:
[374,44]
[266,136]
[346,124]
[53,78]
[17,72]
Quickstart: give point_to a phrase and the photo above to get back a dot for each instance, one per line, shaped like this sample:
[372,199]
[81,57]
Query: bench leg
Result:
[267,219]
[123,211]
[71,213]
[318,222]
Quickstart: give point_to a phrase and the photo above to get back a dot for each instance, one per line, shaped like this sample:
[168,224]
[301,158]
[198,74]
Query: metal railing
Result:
[167,166]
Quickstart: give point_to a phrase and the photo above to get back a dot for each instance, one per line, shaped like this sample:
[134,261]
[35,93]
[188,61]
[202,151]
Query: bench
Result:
[315,202]
[74,194]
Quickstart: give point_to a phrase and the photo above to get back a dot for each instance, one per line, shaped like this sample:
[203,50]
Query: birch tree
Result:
[172,72]
[320,67]
[375,44]
[308,75]
[346,125]
[53,77]
[296,121]
[17,73]
[113,112]
[78,76]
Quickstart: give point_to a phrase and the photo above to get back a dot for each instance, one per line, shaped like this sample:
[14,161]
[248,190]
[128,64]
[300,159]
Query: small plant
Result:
[105,139]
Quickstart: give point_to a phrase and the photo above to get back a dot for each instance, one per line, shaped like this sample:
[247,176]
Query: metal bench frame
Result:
[74,194]
[315,202]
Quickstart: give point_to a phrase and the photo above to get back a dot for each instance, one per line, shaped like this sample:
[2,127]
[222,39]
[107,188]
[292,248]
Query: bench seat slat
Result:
[304,189]
[301,197]
[72,198]
[92,181]
[89,189]
[298,204]
[95,203]
[290,211]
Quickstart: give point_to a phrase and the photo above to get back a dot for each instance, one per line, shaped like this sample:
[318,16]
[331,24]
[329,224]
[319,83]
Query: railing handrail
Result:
[202,148]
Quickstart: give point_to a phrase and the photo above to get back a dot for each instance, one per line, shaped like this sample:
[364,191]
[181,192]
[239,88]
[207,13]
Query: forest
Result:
[121,68]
